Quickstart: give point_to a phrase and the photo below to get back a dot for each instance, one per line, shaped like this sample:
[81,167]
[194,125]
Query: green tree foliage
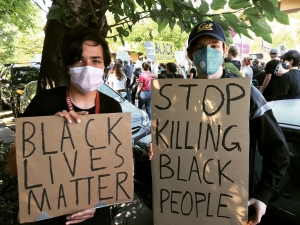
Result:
[240,15]
[147,30]
[18,13]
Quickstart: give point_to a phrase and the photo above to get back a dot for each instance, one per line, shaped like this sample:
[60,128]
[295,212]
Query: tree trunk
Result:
[54,72]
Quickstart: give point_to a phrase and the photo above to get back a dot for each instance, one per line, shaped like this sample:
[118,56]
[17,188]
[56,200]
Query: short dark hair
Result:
[145,66]
[171,67]
[71,46]
[295,61]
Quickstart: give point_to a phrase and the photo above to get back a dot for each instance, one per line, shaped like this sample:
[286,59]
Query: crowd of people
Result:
[88,58]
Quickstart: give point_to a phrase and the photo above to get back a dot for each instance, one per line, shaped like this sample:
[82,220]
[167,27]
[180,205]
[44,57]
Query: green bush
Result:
[9,205]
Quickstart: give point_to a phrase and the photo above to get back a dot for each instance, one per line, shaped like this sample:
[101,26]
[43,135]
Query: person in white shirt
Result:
[117,79]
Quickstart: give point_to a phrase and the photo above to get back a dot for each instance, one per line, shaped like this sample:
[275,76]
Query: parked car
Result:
[283,208]
[13,79]
[140,120]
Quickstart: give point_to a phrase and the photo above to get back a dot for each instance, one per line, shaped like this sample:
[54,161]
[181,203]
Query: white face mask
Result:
[86,79]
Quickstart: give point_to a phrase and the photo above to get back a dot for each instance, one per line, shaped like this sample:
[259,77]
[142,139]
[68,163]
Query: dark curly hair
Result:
[71,46]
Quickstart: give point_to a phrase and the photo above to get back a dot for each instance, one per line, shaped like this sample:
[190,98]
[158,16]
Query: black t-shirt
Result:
[49,102]
[289,85]
[237,63]
[168,75]
[193,71]
[270,69]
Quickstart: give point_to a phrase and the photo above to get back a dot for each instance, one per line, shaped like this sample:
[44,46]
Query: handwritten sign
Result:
[200,138]
[160,51]
[65,168]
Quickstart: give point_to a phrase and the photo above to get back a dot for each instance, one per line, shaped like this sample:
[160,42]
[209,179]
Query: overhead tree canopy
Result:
[240,15]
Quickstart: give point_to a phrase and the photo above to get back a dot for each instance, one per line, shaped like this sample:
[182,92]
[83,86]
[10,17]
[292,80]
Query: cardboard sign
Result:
[200,138]
[163,51]
[66,168]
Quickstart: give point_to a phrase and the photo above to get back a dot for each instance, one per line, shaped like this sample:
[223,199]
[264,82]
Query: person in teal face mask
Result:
[207,48]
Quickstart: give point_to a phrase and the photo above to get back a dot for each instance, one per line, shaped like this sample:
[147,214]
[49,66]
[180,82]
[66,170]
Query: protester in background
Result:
[233,52]
[183,69]
[209,45]
[117,79]
[270,84]
[128,68]
[86,54]
[172,71]
[247,70]
[193,72]
[143,92]
[289,83]
[138,62]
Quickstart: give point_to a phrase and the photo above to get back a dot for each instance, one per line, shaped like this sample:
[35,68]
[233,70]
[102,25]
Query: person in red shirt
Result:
[143,93]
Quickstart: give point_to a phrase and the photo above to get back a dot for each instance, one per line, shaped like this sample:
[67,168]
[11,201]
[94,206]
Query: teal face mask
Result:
[208,60]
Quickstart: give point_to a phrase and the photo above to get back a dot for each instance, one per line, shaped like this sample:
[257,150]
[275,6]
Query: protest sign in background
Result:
[160,51]
[65,168]
[200,138]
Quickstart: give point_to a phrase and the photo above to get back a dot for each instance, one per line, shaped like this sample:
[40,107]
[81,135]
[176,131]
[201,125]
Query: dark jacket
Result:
[267,135]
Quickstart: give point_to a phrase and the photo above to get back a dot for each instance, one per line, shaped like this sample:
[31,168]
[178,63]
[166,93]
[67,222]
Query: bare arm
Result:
[266,82]
[12,161]
[139,88]
[180,70]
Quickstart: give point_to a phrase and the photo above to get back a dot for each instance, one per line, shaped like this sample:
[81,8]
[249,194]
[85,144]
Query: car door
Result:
[27,96]
[5,85]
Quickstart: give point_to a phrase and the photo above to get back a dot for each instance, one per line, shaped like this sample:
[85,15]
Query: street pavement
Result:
[131,213]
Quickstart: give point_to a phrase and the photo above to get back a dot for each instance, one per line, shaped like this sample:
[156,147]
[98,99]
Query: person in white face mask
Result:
[86,54]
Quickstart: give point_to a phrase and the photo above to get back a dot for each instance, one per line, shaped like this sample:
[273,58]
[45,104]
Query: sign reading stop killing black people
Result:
[200,138]
[66,168]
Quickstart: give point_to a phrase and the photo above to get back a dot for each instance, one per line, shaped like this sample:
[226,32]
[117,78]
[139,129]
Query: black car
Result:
[13,79]
[140,120]
[283,208]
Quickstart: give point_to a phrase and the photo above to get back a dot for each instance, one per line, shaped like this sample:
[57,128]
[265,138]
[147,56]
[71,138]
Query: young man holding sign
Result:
[206,49]
[86,54]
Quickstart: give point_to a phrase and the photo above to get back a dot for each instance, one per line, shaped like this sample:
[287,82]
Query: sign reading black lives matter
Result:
[200,137]
[66,168]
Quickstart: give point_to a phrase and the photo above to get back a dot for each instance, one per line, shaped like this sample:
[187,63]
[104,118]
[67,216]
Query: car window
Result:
[25,74]
[31,90]
[110,92]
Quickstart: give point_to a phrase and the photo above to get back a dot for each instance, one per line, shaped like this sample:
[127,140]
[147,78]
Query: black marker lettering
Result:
[186,137]
[162,200]
[188,92]
[95,159]
[109,129]
[174,202]
[26,177]
[204,169]
[122,159]
[66,137]
[118,184]
[166,166]
[177,135]
[222,205]
[161,94]
[235,144]
[220,172]
[209,130]
[24,140]
[76,189]
[43,142]
[178,170]
[198,201]
[72,171]
[157,133]
[191,203]
[102,187]
[61,194]
[196,170]
[229,99]
[51,171]
[40,206]
[203,101]
[207,209]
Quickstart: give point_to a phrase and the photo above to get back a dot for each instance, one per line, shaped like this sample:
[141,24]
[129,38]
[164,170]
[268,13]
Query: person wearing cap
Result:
[207,49]
[289,83]
[270,84]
